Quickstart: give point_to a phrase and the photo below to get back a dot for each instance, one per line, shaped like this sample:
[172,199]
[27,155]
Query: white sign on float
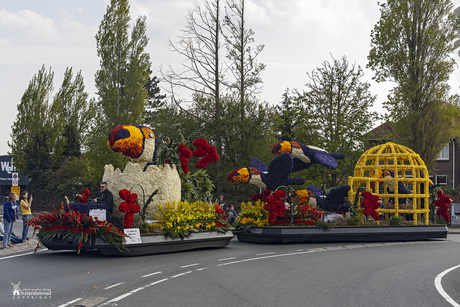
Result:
[100,214]
[134,236]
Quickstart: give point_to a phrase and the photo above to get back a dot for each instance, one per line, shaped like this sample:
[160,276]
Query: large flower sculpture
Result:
[185,154]
[129,206]
[443,203]
[370,203]
[275,206]
[83,198]
[206,152]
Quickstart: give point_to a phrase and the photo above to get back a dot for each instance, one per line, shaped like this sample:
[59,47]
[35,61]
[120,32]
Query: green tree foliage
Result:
[411,45]
[287,118]
[155,100]
[77,112]
[124,71]
[41,132]
[334,113]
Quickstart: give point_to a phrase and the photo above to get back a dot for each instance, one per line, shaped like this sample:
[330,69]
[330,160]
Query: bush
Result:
[396,220]
[354,220]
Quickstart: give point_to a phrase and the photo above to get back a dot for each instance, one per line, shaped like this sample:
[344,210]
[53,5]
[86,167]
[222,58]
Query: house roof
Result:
[382,132]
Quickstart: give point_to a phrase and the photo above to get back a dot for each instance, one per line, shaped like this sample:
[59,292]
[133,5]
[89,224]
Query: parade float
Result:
[390,181]
[147,199]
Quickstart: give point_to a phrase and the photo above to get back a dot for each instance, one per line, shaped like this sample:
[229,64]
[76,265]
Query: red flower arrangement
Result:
[443,203]
[275,206]
[221,217]
[129,206]
[185,154]
[206,152]
[370,203]
[278,213]
[83,198]
[261,196]
[74,224]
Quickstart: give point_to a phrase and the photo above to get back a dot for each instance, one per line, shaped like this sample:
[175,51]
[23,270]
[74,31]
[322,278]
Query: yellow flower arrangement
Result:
[253,215]
[184,218]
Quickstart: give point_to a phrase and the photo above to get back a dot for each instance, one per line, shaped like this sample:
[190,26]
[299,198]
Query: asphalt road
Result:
[243,274]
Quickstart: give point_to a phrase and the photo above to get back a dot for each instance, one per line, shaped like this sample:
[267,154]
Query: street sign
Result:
[16,190]
[15,179]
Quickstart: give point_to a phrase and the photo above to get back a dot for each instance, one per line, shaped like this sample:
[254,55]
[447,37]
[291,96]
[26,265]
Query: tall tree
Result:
[155,100]
[124,67]
[200,45]
[37,130]
[243,64]
[335,113]
[48,128]
[287,117]
[411,45]
[76,110]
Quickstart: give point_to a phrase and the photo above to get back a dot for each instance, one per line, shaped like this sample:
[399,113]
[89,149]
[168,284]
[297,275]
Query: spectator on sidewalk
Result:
[222,203]
[232,215]
[26,214]
[10,212]
[14,239]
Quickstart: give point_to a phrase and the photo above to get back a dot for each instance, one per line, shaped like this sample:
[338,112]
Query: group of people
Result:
[232,216]
[11,214]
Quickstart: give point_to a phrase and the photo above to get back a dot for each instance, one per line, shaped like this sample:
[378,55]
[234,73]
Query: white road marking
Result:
[112,286]
[201,269]
[265,257]
[71,302]
[159,272]
[181,274]
[262,254]
[437,283]
[189,265]
[224,259]
[119,298]
[18,255]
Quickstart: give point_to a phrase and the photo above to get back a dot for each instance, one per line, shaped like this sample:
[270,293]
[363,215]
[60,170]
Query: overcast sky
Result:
[298,36]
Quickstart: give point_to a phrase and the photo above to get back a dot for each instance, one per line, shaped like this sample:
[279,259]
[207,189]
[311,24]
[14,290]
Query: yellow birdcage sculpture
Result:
[398,176]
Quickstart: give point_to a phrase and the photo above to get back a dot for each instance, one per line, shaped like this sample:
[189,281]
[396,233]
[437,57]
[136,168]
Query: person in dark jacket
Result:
[10,214]
[105,197]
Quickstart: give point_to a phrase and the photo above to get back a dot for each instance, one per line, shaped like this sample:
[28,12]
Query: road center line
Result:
[181,274]
[224,259]
[262,254]
[119,298]
[189,265]
[265,257]
[71,302]
[437,283]
[112,286]
[159,272]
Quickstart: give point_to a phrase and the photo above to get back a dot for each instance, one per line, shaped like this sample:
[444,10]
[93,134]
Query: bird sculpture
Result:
[306,155]
[276,174]
[333,201]
[385,173]
[136,142]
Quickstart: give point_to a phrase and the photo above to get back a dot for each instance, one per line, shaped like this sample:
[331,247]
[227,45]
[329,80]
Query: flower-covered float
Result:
[298,215]
[147,199]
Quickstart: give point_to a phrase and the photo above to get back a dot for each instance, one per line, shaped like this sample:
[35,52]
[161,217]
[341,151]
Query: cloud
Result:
[28,24]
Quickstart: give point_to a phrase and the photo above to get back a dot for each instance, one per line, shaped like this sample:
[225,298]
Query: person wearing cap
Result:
[10,215]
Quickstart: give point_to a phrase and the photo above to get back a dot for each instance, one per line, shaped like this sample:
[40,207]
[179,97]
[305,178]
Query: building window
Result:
[444,154]
[441,179]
